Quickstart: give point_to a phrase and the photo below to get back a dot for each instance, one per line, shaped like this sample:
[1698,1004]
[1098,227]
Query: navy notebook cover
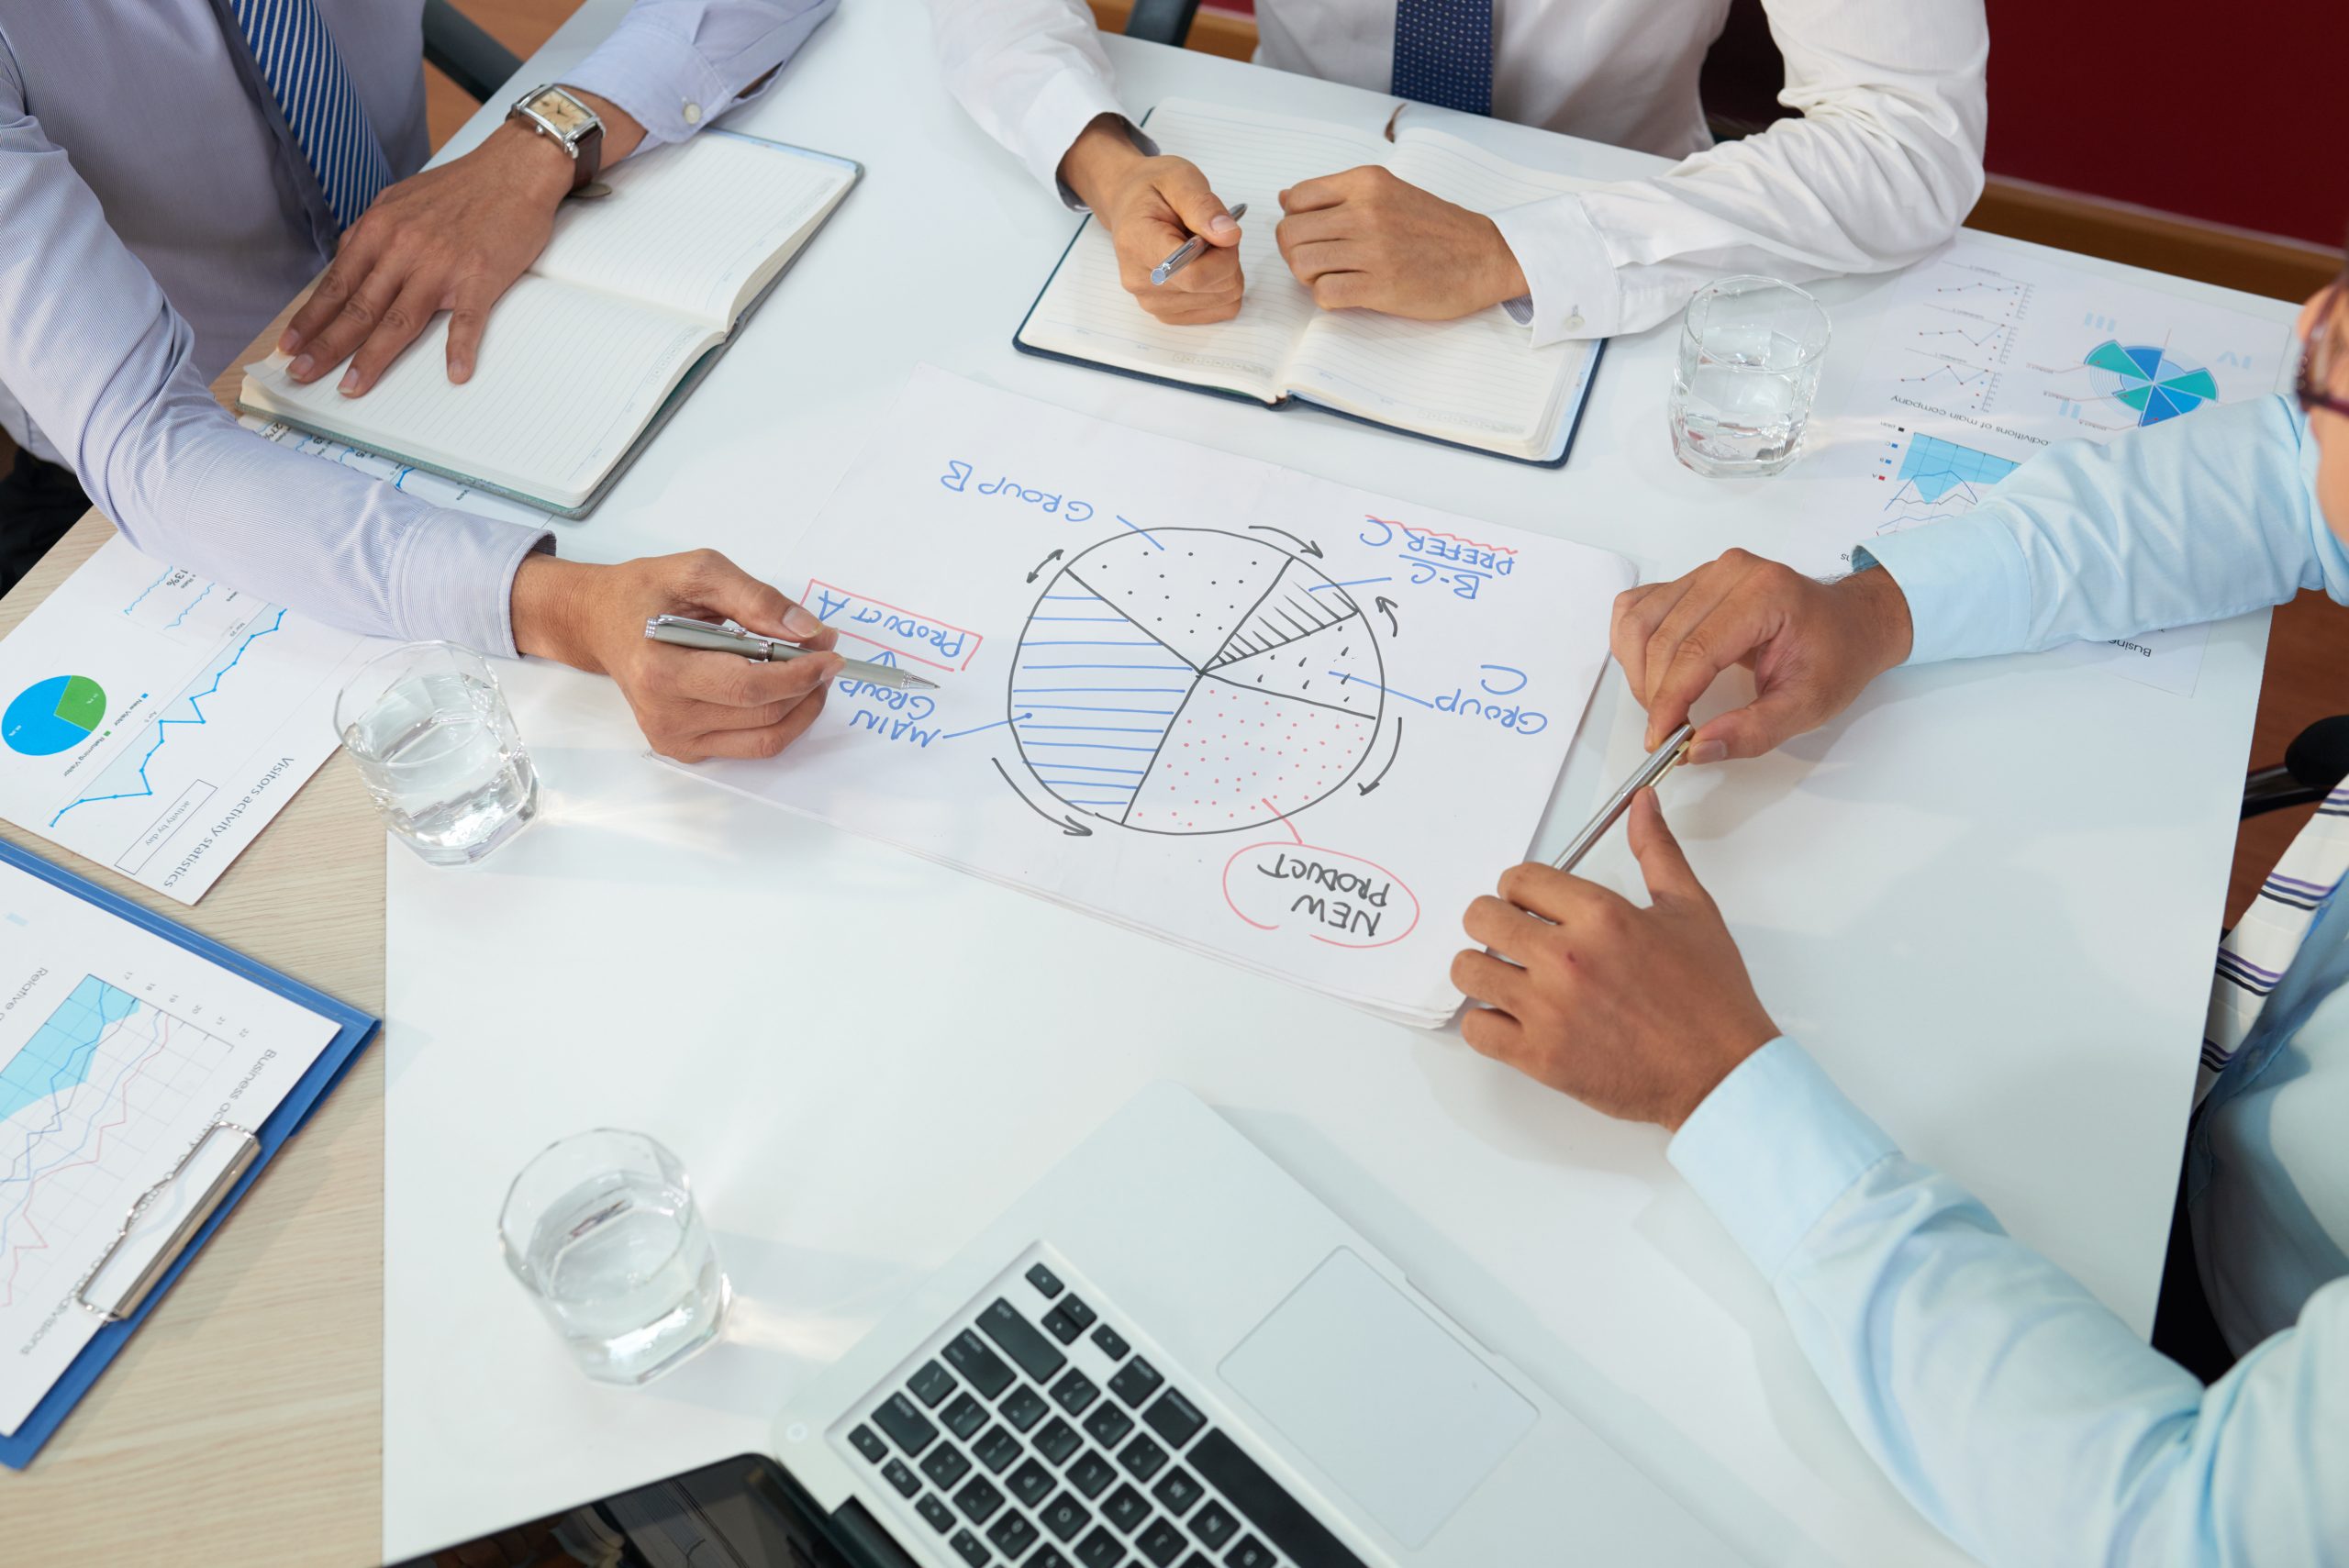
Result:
[354,1029]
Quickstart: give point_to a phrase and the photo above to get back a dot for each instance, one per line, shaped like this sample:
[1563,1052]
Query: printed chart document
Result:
[118,1050]
[1987,356]
[155,721]
[1258,713]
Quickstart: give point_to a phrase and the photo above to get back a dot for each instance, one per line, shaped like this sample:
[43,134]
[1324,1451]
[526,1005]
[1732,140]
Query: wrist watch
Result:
[551,112]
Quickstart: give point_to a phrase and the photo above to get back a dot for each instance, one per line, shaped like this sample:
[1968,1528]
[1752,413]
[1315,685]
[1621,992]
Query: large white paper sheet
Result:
[1260,715]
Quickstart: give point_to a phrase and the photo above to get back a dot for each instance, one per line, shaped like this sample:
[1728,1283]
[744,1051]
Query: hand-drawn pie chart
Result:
[53,715]
[1194,680]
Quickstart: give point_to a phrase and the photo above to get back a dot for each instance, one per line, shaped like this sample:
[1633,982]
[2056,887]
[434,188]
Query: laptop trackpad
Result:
[1379,1395]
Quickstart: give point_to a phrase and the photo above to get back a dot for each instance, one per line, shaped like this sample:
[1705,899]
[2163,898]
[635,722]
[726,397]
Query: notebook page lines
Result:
[1246,158]
[565,379]
[1474,379]
[685,226]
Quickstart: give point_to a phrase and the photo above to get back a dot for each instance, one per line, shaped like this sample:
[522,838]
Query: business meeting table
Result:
[1986,900]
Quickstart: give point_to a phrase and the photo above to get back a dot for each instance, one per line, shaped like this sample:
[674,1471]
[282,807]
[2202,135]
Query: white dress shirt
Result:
[2017,1412]
[151,222]
[1884,164]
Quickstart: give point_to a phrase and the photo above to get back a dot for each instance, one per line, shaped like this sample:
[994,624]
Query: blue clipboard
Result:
[354,1029]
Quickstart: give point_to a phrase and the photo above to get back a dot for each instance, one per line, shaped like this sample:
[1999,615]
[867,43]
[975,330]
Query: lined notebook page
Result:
[1473,379]
[695,226]
[1087,312]
[566,379]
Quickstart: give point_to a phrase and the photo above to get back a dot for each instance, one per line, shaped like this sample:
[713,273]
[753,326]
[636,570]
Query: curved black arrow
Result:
[1308,546]
[1390,758]
[1041,564]
[1068,829]
[1383,602]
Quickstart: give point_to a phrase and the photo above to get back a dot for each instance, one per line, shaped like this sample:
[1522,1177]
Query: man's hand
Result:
[451,238]
[1635,1012]
[1366,239]
[691,704]
[1152,206]
[1812,647]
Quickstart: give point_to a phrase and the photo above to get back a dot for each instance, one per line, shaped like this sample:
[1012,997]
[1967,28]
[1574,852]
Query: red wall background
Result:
[2231,112]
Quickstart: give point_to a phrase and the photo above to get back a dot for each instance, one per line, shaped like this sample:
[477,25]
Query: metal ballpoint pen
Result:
[1660,762]
[683,631]
[1188,252]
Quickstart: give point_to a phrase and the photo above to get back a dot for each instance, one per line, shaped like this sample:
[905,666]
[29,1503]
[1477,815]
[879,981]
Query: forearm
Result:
[1884,164]
[89,347]
[672,66]
[1031,72]
[2185,521]
[2010,1407]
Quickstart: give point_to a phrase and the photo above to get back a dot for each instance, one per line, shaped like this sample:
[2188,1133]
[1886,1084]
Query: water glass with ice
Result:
[436,746]
[1750,350]
[601,1229]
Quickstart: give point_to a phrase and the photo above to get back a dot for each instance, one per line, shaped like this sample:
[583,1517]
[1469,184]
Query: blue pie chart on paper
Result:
[53,715]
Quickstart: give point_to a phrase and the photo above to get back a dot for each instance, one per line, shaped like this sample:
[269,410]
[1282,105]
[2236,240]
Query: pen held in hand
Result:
[1650,773]
[1188,252]
[683,631]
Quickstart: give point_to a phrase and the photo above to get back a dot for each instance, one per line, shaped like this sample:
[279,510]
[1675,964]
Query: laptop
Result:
[1169,1354]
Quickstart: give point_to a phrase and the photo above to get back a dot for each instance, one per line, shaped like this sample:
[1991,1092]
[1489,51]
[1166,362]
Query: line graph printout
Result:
[1259,715]
[117,1050]
[154,720]
[1983,357]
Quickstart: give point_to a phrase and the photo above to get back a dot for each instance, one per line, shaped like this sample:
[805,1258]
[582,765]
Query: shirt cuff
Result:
[1070,102]
[666,85]
[455,580]
[1571,287]
[1772,1148]
[1966,582]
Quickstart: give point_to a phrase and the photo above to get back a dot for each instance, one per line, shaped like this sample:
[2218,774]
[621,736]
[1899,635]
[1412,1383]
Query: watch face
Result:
[563,113]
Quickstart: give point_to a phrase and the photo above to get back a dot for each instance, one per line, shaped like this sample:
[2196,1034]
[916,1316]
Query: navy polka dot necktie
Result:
[1443,53]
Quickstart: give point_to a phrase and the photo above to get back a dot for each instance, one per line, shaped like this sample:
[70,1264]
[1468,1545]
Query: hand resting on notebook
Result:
[1368,239]
[691,705]
[452,238]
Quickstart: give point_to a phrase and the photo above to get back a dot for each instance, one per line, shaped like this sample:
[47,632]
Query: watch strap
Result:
[589,161]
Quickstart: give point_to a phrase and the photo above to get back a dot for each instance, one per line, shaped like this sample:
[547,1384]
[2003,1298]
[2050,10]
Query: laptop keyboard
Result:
[1036,1436]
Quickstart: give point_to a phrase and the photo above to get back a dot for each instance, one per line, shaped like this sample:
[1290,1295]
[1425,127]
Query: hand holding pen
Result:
[1152,207]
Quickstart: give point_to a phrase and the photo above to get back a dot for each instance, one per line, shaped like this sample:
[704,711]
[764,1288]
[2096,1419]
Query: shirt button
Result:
[1573,323]
[692,112]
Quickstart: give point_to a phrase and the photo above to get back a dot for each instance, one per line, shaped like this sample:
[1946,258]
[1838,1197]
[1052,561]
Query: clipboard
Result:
[246,1158]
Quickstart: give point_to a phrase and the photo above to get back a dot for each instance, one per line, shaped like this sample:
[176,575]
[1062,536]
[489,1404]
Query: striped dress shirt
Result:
[152,221]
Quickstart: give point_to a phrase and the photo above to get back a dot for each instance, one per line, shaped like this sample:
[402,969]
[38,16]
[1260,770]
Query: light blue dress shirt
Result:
[151,223]
[2012,1407]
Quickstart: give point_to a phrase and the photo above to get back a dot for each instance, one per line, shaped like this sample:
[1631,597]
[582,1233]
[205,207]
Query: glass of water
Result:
[437,749]
[1750,349]
[601,1229]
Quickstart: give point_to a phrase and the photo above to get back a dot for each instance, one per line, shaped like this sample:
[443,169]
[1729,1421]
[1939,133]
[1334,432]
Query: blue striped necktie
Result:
[1443,53]
[304,72]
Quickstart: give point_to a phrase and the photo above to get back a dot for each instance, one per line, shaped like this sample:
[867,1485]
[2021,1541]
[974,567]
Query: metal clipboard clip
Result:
[190,1223]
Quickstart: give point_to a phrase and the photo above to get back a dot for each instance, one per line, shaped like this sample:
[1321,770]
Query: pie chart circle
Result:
[52,716]
[2150,382]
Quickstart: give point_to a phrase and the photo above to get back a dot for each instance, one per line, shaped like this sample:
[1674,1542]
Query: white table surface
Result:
[1986,900]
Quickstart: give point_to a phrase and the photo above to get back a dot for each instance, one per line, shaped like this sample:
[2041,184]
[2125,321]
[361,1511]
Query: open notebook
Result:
[1475,383]
[619,318]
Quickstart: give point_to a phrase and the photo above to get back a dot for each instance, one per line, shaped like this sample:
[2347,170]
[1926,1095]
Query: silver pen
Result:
[1660,762]
[1188,252]
[683,631]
